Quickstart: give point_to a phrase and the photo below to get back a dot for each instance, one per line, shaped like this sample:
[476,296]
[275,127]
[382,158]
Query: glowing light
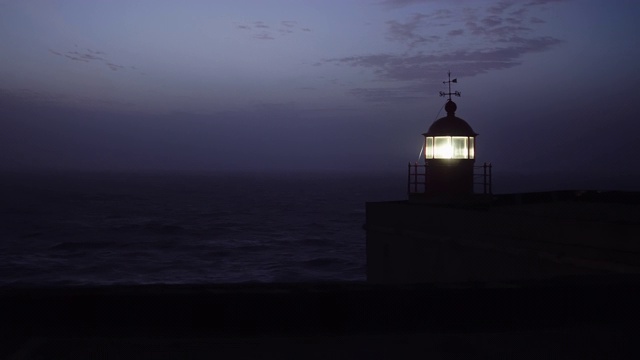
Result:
[459,145]
[443,148]
[429,148]
[449,147]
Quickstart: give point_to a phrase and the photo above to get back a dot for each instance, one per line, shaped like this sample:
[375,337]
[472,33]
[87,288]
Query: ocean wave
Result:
[322,262]
[182,229]
[83,245]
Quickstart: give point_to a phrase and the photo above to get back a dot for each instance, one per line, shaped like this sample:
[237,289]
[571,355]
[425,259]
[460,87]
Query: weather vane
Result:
[456,93]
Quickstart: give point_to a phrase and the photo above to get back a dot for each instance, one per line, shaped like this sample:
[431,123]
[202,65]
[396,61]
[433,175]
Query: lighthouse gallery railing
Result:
[417,179]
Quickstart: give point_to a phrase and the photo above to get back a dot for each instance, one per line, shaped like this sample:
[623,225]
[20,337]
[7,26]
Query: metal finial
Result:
[455,93]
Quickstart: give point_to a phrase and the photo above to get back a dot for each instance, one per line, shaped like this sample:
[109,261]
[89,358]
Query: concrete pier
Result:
[513,237]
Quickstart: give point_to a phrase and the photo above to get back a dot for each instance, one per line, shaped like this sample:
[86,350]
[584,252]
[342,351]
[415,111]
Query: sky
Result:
[551,86]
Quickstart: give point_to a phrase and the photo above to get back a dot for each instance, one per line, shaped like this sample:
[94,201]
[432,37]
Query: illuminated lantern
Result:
[449,153]
[448,173]
[450,138]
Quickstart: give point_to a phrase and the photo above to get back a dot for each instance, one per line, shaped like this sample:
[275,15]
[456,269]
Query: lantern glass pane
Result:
[459,146]
[472,150]
[428,152]
[442,147]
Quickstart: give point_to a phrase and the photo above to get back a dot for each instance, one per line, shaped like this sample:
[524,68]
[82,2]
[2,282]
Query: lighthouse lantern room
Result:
[449,170]
[450,137]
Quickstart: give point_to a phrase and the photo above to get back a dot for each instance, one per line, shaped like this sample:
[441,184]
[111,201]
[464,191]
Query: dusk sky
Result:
[550,85]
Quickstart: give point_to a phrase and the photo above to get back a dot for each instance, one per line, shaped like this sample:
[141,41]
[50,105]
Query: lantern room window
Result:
[449,147]
[429,148]
[442,147]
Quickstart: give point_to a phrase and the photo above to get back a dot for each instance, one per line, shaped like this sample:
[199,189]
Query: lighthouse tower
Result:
[449,171]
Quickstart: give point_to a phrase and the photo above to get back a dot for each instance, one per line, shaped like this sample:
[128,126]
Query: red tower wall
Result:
[449,176]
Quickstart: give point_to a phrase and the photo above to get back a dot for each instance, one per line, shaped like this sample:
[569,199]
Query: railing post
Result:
[490,180]
[415,177]
[425,178]
[409,179]
[484,178]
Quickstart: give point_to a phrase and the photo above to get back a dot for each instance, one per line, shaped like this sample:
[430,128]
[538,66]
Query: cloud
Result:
[519,13]
[408,32]
[423,66]
[407,70]
[543,2]
[115,67]
[264,36]
[402,3]
[89,55]
[75,58]
[498,35]
[500,7]
[413,31]
[264,31]
[85,55]
[497,22]
[491,21]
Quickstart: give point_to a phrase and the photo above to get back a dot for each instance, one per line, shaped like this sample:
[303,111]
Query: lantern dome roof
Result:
[450,125]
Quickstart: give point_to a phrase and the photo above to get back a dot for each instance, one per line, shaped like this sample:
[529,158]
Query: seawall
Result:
[512,237]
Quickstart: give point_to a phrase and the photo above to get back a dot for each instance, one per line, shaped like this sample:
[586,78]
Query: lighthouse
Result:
[449,172]
[452,228]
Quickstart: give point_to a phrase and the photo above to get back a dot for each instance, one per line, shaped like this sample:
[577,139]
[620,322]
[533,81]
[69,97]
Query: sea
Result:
[120,228]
